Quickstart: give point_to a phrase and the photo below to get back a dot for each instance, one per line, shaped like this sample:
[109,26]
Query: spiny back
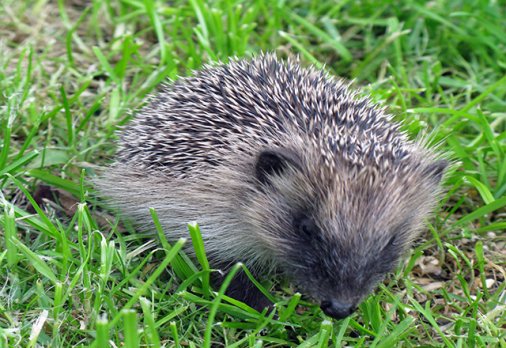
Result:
[239,107]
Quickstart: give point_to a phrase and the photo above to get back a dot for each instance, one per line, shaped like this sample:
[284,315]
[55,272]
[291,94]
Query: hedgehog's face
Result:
[338,242]
[336,272]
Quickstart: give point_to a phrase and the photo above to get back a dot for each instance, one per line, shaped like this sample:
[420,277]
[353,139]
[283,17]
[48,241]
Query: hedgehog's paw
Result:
[242,289]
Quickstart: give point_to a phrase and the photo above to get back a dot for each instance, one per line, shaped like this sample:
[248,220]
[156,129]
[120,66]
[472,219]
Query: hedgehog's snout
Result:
[337,309]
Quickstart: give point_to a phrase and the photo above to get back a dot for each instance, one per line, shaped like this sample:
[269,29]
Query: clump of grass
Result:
[73,273]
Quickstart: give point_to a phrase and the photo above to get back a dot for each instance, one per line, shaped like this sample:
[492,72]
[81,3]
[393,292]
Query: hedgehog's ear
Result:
[275,161]
[436,170]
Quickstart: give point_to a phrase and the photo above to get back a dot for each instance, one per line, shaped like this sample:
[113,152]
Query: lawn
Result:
[72,273]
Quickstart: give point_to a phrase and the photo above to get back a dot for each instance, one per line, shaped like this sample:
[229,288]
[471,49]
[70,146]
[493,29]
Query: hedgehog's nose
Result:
[336,309]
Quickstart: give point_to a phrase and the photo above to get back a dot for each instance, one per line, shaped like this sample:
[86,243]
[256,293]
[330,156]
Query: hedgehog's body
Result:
[283,168]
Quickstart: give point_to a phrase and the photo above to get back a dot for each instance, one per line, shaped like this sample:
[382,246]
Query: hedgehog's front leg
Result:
[242,289]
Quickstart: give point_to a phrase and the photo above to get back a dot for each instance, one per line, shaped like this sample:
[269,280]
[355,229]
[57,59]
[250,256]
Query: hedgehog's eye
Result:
[305,226]
[389,256]
[392,241]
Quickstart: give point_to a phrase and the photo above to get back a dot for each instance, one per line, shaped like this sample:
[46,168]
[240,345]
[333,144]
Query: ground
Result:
[71,72]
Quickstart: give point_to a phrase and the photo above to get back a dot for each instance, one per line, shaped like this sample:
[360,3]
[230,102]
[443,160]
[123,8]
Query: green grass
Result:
[71,72]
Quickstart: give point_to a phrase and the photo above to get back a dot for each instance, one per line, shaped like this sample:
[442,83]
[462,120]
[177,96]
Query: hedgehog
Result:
[286,169]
